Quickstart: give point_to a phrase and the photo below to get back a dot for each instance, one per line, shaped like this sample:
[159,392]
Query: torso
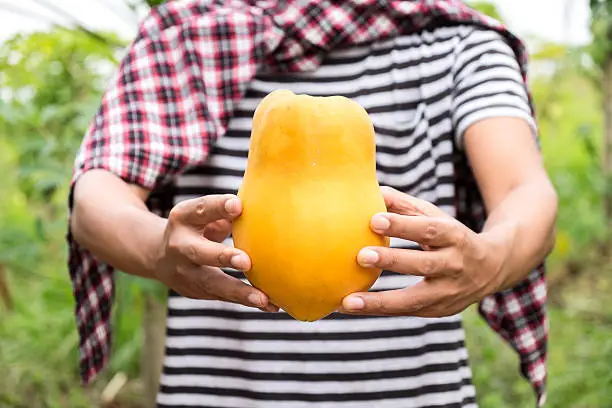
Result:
[224,355]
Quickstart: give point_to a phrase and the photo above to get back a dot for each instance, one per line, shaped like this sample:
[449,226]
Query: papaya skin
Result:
[308,194]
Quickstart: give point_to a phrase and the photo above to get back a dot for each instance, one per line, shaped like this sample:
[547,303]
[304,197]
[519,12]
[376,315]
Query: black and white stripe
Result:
[421,93]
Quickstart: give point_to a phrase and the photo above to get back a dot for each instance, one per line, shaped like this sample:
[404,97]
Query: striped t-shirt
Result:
[421,91]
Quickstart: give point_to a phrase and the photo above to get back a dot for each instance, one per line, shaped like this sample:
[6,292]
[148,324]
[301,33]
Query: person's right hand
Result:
[191,253]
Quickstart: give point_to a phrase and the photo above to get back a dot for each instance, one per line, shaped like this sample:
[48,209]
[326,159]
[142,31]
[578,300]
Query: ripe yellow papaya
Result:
[308,194]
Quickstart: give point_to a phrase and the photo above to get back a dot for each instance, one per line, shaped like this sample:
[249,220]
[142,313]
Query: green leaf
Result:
[487,8]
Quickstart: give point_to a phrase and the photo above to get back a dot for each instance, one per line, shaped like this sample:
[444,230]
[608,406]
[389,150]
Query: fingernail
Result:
[255,299]
[232,205]
[380,223]
[353,303]
[240,262]
[367,257]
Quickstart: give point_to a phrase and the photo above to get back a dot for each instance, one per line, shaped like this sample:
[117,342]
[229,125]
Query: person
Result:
[470,207]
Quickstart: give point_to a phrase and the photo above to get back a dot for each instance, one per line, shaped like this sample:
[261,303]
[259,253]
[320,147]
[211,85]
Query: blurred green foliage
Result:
[50,86]
[601,27]
[153,3]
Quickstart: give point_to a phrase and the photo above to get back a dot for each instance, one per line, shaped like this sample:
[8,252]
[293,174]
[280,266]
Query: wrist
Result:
[500,241]
[154,255]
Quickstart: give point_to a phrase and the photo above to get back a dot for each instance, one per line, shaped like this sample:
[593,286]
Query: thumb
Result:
[205,210]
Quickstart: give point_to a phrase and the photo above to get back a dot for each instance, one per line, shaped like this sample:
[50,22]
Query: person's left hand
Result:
[459,266]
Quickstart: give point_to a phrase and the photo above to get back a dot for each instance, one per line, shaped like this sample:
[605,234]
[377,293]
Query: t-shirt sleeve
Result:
[487,83]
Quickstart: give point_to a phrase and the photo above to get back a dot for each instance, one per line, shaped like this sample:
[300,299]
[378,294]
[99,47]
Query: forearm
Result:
[522,227]
[111,220]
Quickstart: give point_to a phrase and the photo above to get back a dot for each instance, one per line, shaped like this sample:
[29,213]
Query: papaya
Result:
[308,193]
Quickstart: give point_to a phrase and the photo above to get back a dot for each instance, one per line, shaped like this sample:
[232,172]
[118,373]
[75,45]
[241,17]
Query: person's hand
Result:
[459,266]
[191,253]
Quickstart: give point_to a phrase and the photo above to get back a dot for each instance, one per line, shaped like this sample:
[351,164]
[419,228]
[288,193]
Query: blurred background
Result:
[55,58]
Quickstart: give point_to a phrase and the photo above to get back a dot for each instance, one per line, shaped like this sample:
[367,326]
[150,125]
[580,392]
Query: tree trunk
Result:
[5,293]
[607,166]
[152,358]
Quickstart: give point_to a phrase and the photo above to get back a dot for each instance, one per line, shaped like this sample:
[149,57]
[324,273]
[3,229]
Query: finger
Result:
[428,231]
[405,302]
[410,261]
[271,308]
[213,281]
[218,230]
[204,210]
[401,203]
[203,252]
[195,292]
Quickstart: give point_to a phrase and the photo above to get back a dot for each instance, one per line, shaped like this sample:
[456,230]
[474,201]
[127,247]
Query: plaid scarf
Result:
[177,88]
